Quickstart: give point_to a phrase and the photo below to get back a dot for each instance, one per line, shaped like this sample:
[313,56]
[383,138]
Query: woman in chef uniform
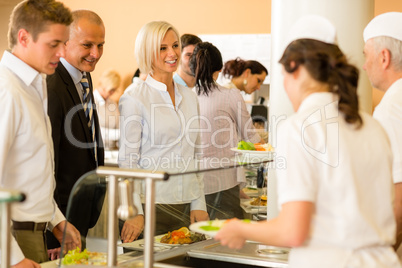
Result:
[336,189]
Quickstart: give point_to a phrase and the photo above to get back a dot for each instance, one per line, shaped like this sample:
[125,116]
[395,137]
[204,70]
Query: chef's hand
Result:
[132,228]
[26,263]
[198,215]
[229,235]
[73,237]
[54,253]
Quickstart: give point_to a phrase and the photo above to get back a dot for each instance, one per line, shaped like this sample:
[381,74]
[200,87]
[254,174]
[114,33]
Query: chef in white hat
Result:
[383,64]
[335,191]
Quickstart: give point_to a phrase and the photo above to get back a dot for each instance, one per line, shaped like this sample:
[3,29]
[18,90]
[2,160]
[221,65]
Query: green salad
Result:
[75,257]
[243,145]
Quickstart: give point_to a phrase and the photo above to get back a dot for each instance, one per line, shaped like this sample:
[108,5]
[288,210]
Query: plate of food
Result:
[253,149]
[211,228]
[182,236]
[251,191]
[85,257]
[257,202]
[139,245]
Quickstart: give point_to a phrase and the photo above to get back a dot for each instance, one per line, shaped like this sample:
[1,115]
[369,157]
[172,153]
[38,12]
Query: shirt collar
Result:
[25,72]
[162,87]
[177,78]
[393,89]
[318,99]
[75,74]
[155,84]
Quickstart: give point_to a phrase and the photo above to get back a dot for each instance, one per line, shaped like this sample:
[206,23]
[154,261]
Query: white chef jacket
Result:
[389,113]
[346,174]
[26,147]
[157,136]
[224,122]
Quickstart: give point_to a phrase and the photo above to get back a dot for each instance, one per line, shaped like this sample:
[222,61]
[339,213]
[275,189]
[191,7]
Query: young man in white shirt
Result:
[383,65]
[37,33]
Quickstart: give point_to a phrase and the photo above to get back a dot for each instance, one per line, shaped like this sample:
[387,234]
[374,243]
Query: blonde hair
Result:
[110,79]
[148,43]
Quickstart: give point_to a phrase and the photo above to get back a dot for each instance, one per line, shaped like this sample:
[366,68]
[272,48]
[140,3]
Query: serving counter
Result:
[208,253]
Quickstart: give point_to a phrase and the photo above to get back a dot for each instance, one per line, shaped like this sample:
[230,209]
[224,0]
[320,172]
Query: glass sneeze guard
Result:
[151,186]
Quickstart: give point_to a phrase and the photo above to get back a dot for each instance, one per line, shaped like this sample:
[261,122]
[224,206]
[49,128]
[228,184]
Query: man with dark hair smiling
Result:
[184,76]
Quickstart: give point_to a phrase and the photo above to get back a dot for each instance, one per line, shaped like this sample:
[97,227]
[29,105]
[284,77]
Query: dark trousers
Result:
[170,217]
[224,204]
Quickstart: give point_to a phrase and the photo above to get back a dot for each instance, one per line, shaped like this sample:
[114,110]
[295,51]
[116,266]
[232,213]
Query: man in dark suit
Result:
[78,146]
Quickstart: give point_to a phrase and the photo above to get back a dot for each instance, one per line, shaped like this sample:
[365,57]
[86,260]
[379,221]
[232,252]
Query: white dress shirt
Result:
[389,113]
[346,173]
[76,76]
[155,135]
[26,148]
[224,122]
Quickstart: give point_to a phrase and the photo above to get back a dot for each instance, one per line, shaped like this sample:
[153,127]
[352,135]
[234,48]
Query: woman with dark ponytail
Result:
[247,76]
[335,191]
[224,121]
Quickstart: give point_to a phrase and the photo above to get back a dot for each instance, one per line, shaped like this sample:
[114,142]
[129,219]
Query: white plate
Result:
[197,226]
[253,152]
[139,244]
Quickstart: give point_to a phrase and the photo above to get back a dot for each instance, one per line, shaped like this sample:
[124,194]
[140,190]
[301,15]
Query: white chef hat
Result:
[313,27]
[387,24]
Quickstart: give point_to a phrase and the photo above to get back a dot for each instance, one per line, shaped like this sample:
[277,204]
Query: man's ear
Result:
[385,57]
[24,37]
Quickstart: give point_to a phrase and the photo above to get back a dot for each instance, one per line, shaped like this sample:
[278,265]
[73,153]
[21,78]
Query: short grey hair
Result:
[394,46]
[148,43]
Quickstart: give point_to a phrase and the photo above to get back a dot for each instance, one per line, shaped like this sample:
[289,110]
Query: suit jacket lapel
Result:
[72,90]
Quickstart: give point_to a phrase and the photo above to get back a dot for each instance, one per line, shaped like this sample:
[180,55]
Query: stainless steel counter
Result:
[252,254]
